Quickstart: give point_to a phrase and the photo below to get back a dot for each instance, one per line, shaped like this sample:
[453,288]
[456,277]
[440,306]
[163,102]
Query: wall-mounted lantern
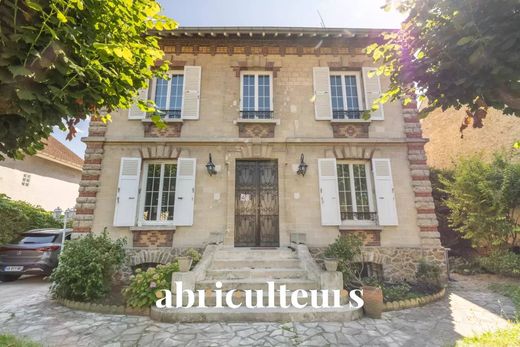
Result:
[211,167]
[302,168]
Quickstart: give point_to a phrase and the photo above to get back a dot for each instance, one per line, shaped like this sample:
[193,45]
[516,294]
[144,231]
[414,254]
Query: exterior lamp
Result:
[57,213]
[211,167]
[302,168]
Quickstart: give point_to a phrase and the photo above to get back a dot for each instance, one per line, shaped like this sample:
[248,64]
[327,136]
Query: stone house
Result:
[265,140]
[50,178]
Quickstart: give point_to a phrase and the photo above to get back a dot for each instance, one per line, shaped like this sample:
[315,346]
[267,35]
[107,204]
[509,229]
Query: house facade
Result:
[49,179]
[265,139]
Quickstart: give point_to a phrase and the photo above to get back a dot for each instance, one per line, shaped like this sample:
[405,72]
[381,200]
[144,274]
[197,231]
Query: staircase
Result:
[252,268]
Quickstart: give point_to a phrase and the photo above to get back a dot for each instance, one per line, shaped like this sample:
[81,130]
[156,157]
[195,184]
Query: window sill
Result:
[257,121]
[347,227]
[168,120]
[350,120]
[153,227]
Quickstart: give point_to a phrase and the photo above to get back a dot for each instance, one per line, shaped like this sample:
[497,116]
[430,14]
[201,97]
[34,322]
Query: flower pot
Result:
[331,264]
[184,263]
[373,297]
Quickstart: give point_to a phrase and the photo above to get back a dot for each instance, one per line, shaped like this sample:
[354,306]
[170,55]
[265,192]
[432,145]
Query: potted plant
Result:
[184,263]
[331,264]
[373,297]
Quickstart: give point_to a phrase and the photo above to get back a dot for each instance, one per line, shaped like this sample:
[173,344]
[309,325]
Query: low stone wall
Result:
[102,308]
[399,263]
[416,302]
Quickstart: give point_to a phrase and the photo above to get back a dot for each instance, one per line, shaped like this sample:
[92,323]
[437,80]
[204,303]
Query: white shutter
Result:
[185,192]
[329,195]
[135,112]
[372,86]
[127,192]
[385,197]
[191,92]
[322,100]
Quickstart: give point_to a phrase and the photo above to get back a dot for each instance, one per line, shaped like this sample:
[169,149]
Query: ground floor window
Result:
[158,192]
[355,192]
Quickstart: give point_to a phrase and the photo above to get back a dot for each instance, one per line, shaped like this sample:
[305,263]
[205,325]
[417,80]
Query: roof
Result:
[273,32]
[55,151]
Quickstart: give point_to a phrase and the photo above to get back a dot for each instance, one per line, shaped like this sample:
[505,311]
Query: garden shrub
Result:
[502,262]
[396,291]
[195,256]
[145,286]
[347,250]
[19,216]
[428,275]
[86,267]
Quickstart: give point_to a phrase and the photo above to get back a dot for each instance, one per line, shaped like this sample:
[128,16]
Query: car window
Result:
[36,238]
[68,237]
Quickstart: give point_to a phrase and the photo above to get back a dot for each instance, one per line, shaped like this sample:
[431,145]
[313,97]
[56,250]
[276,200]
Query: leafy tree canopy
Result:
[454,53]
[64,60]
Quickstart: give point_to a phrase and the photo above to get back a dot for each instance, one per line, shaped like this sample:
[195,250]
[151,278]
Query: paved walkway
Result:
[470,308]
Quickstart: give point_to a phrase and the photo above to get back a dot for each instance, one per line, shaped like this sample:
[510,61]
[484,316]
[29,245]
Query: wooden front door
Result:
[256,203]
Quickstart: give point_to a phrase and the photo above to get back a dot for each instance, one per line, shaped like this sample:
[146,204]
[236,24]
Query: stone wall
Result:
[399,263]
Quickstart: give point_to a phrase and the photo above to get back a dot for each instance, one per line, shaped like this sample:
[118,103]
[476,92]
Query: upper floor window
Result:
[256,95]
[355,193]
[158,192]
[345,95]
[26,180]
[168,95]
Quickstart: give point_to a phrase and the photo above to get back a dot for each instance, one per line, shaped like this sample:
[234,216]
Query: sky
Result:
[283,13]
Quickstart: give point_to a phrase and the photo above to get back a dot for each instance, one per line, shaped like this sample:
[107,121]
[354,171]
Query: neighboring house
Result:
[257,103]
[49,178]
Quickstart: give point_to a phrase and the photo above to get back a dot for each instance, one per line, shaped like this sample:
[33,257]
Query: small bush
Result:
[428,275]
[145,286]
[396,291]
[195,256]
[347,249]
[20,216]
[502,262]
[86,267]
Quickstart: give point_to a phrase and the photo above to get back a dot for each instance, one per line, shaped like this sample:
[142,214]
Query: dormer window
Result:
[256,95]
[168,96]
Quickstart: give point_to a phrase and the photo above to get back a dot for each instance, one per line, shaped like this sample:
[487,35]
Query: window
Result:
[26,180]
[158,192]
[256,95]
[355,192]
[345,97]
[168,96]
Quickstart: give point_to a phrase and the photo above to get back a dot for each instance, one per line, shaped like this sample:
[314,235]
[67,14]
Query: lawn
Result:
[502,338]
[7,340]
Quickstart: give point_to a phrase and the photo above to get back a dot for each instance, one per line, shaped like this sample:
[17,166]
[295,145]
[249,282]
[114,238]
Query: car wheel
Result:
[9,278]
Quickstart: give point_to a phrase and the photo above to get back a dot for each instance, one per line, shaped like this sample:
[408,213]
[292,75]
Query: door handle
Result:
[180,197]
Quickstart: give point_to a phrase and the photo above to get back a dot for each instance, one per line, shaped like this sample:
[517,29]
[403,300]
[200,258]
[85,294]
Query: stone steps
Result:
[247,273]
[244,314]
[257,283]
[249,263]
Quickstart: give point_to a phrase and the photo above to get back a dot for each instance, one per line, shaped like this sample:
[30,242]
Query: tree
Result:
[454,53]
[484,201]
[64,60]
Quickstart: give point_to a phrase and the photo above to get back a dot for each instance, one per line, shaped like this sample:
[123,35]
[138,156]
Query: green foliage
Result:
[145,286]
[502,262]
[347,250]
[466,266]
[64,60]
[455,54]
[86,267]
[508,337]
[9,340]
[428,275]
[484,199]
[398,291]
[510,290]
[20,216]
[195,256]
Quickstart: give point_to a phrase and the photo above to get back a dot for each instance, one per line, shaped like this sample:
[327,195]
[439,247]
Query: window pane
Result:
[248,93]
[176,92]
[151,200]
[161,93]
[264,91]
[352,93]
[168,192]
[361,190]
[336,93]
[345,192]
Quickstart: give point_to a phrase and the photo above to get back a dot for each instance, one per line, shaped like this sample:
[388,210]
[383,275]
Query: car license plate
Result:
[13,268]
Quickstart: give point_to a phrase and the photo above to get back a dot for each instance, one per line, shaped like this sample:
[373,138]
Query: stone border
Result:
[416,302]
[101,308]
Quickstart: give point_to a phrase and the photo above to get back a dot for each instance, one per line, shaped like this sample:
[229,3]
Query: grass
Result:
[7,340]
[501,338]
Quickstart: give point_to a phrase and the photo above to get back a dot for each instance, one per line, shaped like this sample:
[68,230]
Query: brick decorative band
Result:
[170,130]
[152,238]
[352,130]
[256,130]
[370,237]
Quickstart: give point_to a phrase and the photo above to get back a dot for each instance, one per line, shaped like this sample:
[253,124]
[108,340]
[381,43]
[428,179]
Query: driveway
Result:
[468,309]
[26,285]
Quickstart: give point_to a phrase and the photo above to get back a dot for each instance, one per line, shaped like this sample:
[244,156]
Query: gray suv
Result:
[35,252]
